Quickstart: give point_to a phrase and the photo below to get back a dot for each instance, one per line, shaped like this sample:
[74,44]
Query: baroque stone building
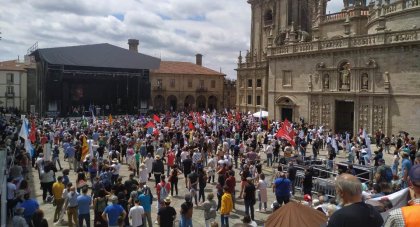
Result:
[358,68]
[187,86]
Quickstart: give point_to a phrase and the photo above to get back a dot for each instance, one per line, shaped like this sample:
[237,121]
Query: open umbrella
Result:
[296,214]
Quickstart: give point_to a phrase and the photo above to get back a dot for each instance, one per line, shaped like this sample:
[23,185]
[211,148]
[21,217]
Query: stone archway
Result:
[189,102]
[172,103]
[159,103]
[287,108]
[201,103]
[212,103]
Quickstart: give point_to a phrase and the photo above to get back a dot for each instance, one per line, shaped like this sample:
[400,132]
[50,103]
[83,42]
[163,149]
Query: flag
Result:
[110,119]
[150,125]
[191,125]
[32,133]
[85,148]
[155,132]
[230,117]
[24,129]
[282,133]
[238,116]
[156,118]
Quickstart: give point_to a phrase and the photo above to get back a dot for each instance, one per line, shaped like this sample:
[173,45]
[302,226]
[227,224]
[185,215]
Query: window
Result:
[249,99]
[258,100]
[250,83]
[10,90]
[213,84]
[172,83]
[287,78]
[259,83]
[201,83]
[10,78]
[159,83]
[190,83]
[268,17]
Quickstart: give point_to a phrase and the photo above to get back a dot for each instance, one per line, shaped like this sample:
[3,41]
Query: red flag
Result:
[32,135]
[287,126]
[230,116]
[150,125]
[281,133]
[238,116]
[156,132]
[191,125]
[156,118]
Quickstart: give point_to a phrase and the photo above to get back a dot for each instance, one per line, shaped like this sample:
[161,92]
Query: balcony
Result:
[159,88]
[10,94]
[201,89]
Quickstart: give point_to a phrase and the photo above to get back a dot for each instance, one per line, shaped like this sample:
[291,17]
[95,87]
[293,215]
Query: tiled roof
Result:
[178,67]
[13,65]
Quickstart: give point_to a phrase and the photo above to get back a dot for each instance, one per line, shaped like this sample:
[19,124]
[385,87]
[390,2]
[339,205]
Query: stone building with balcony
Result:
[177,86]
[13,85]
[358,68]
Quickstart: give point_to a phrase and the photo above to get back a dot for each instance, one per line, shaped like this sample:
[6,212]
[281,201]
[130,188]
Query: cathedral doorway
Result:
[344,116]
[286,113]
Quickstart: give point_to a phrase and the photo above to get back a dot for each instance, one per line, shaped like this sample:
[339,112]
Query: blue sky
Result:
[170,29]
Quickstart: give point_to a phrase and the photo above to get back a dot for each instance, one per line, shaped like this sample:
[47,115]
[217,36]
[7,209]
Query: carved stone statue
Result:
[365,81]
[280,38]
[345,76]
[304,36]
[326,81]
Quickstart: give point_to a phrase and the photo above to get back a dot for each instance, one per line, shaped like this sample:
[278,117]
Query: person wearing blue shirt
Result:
[281,187]
[113,212]
[30,206]
[405,169]
[69,152]
[84,202]
[145,199]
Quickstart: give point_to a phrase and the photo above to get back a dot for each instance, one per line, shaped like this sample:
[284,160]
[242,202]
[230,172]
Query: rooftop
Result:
[178,67]
[102,55]
[13,65]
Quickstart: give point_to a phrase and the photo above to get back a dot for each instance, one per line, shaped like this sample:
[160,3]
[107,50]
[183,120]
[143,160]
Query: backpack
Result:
[163,192]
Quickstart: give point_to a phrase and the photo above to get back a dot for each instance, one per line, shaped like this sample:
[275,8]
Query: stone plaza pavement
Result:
[198,214]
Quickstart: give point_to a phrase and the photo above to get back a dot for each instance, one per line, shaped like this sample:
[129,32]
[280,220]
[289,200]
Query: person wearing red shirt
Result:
[231,183]
[170,161]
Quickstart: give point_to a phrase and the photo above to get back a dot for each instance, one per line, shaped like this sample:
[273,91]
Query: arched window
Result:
[268,17]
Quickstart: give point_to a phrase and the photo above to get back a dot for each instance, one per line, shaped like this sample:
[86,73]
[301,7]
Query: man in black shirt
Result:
[158,169]
[166,214]
[354,212]
[186,165]
[249,198]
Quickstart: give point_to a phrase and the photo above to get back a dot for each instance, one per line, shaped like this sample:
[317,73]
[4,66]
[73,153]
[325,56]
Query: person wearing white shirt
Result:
[269,153]
[136,214]
[184,155]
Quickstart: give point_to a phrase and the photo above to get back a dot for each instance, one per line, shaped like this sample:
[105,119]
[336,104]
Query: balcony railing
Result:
[347,42]
[201,89]
[159,88]
[10,94]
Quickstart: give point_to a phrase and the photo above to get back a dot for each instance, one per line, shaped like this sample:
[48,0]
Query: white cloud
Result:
[173,29]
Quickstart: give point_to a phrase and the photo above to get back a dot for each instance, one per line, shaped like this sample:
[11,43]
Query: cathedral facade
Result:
[358,68]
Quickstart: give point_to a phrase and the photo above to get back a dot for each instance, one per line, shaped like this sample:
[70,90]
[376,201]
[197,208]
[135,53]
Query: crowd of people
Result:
[199,149]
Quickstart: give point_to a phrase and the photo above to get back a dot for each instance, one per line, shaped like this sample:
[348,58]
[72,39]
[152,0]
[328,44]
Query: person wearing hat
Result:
[158,168]
[408,216]
[166,214]
[116,166]
[113,211]
[405,169]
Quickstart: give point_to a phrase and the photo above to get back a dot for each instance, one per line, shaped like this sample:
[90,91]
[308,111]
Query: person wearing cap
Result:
[405,169]
[383,173]
[408,216]
[166,214]
[113,211]
[158,169]
[354,211]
